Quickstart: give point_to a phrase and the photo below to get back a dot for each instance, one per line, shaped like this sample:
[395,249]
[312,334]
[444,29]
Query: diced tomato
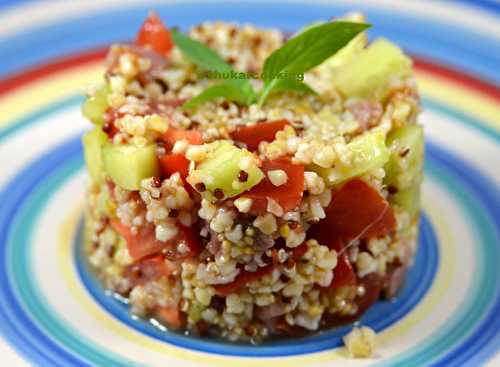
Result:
[373,284]
[357,210]
[288,196]
[154,34]
[150,269]
[386,224]
[192,239]
[253,135]
[343,274]
[282,327]
[299,251]
[142,244]
[172,163]
[173,135]
[243,278]
[171,316]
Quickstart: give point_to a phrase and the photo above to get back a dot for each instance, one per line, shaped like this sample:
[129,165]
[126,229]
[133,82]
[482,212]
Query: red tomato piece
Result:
[145,244]
[172,163]
[142,244]
[357,210]
[154,34]
[150,269]
[374,284]
[171,316]
[173,135]
[299,251]
[343,274]
[288,196]
[386,224]
[190,235]
[253,135]
[243,278]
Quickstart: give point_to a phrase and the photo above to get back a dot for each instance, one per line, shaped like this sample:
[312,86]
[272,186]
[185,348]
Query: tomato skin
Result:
[252,136]
[173,135]
[357,210]
[142,244]
[385,225]
[172,163]
[154,34]
[171,316]
[288,196]
[243,278]
[343,274]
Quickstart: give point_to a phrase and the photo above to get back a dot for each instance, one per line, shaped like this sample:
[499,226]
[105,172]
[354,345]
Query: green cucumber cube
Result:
[368,74]
[127,165]
[217,176]
[93,142]
[95,106]
[408,200]
[405,166]
[368,152]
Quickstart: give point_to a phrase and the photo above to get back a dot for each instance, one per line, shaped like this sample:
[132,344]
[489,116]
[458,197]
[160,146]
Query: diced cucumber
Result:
[368,152]
[95,106]
[405,166]
[93,142]
[346,54]
[128,165]
[217,176]
[368,75]
[408,199]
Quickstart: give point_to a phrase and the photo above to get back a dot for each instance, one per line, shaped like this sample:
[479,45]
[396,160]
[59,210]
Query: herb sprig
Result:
[298,55]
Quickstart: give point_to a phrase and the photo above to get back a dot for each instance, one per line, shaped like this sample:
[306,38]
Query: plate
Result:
[52,311]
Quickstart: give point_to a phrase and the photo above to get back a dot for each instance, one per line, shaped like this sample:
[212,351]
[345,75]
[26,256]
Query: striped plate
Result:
[52,313]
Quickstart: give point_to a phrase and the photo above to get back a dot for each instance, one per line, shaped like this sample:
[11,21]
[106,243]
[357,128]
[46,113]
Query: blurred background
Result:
[450,32]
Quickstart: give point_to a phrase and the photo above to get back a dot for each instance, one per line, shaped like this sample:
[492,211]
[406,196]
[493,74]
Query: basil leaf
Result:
[198,53]
[240,90]
[288,85]
[225,90]
[307,50]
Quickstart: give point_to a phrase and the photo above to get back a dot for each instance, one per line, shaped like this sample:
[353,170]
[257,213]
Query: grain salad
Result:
[254,208]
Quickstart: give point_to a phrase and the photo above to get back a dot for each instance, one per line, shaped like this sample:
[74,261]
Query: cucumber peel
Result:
[405,166]
[92,145]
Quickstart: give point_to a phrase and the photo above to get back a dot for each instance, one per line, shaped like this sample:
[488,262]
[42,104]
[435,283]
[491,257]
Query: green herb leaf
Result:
[307,50]
[198,53]
[288,85]
[237,90]
[225,90]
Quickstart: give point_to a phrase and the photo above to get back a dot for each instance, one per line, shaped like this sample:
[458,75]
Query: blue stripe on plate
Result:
[379,317]
[15,324]
[487,5]
[465,49]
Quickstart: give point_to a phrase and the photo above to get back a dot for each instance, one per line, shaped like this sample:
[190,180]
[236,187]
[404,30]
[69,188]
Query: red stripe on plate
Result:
[460,77]
[61,64]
